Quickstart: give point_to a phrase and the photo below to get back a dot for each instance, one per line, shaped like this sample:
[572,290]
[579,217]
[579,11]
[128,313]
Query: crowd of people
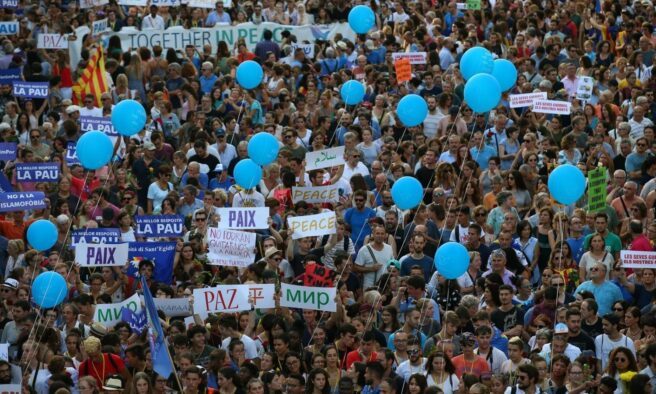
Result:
[546,304]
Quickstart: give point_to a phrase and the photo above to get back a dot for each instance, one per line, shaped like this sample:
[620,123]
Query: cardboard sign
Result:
[313,225]
[230,248]
[315,194]
[110,314]
[51,41]
[159,225]
[317,275]
[173,307]
[255,218]
[37,172]
[8,150]
[597,190]
[308,49]
[233,298]
[637,259]
[93,123]
[99,27]
[403,70]
[9,28]
[414,57]
[552,107]
[526,99]
[31,89]
[324,158]
[21,201]
[304,297]
[584,88]
[96,236]
[10,75]
[101,255]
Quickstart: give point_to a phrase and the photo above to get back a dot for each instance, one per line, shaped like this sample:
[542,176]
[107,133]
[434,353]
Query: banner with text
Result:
[9,28]
[11,389]
[10,75]
[51,41]
[313,225]
[638,259]
[230,248]
[31,89]
[22,201]
[71,153]
[8,3]
[584,88]
[162,254]
[8,150]
[110,314]
[92,3]
[37,172]
[414,57]
[96,236]
[255,218]
[173,307]
[129,3]
[316,194]
[526,99]
[597,190]
[102,255]
[99,27]
[93,123]
[308,49]
[324,158]
[159,225]
[552,107]
[305,297]
[233,298]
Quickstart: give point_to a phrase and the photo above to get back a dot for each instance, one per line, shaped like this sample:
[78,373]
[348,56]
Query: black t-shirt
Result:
[210,160]
[582,341]
[426,178]
[507,320]
[592,330]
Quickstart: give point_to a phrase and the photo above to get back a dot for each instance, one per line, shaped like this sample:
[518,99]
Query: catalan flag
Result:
[93,80]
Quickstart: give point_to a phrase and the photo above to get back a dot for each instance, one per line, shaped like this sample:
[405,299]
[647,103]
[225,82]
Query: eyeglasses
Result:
[618,309]
[288,136]
[641,144]
[277,259]
[359,200]
[558,284]
[35,136]
[541,326]
[594,269]
[201,219]
[480,214]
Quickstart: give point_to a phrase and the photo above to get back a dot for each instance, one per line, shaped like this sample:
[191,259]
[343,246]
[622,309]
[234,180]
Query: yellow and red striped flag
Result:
[93,80]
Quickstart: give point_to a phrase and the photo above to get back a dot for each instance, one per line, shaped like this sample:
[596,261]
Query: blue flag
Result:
[161,254]
[137,321]
[158,347]
[597,6]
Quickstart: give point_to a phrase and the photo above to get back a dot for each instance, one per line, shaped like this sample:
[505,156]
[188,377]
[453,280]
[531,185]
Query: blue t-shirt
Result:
[483,156]
[359,222]
[426,264]
[606,294]
[576,246]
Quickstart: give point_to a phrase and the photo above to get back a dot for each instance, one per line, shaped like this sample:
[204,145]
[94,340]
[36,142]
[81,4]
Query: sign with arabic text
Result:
[324,158]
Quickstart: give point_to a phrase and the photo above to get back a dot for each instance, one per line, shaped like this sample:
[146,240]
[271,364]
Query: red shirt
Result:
[77,185]
[356,356]
[641,243]
[102,370]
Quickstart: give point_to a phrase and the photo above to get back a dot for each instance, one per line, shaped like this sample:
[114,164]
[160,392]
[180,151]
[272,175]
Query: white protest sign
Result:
[313,225]
[324,158]
[414,57]
[230,248]
[110,314]
[173,307]
[10,389]
[202,3]
[99,27]
[255,218]
[9,28]
[51,41]
[225,298]
[165,3]
[461,6]
[315,194]
[305,297]
[552,107]
[526,99]
[138,3]
[308,49]
[638,259]
[584,88]
[4,351]
[92,3]
[101,255]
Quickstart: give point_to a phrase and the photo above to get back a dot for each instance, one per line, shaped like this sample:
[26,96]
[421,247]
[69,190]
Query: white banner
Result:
[526,99]
[10,389]
[202,3]
[414,57]
[92,3]
[110,314]
[315,194]
[637,259]
[178,37]
[9,28]
[165,3]
[101,255]
[584,88]
[230,248]
[138,3]
[313,225]
[51,41]
[4,351]
[324,158]
[305,297]
[99,27]
[308,49]
[234,298]
[552,107]
[173,307]
[255,218]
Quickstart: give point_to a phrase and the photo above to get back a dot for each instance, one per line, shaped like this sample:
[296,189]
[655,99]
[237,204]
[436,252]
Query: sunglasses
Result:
[618,309]
[201,219]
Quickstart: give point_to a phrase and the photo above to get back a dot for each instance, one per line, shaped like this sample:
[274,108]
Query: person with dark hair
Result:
[295,383]
[527,378]
[611,339]
[199,348]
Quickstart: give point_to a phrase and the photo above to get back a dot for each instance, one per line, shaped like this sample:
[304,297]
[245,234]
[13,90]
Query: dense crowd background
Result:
[546,305]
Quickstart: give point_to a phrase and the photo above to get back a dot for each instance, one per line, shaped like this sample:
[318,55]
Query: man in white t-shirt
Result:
[611,339]
[372,258]
[89,108]
[228,328]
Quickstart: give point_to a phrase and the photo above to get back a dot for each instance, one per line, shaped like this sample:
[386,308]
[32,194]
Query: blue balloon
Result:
[249,74]
[412,110]
[361,19]
[248,174]
[352,92]
[263,148]
[506,73]
[42,235]
[482,93]
[452,260]
[129,117]
[49,289]
[407,192]
[476,60]
[566,184]
[94,150]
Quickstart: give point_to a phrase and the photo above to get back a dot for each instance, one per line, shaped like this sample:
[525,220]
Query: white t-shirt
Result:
[364,259]
[405,370]
[254,199]
[250,349]
[450,385]
[95,111]
[604,345]
[431,124]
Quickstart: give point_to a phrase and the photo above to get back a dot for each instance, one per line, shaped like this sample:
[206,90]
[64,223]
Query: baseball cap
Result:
[72,108]
[149,146]
[561,328]
[11,283]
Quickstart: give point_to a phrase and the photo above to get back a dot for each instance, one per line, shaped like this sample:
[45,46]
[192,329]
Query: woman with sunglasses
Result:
[621,360]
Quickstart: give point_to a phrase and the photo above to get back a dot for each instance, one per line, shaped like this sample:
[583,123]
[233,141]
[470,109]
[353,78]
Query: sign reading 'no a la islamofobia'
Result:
[305,297]
[110,314]
[313,225]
